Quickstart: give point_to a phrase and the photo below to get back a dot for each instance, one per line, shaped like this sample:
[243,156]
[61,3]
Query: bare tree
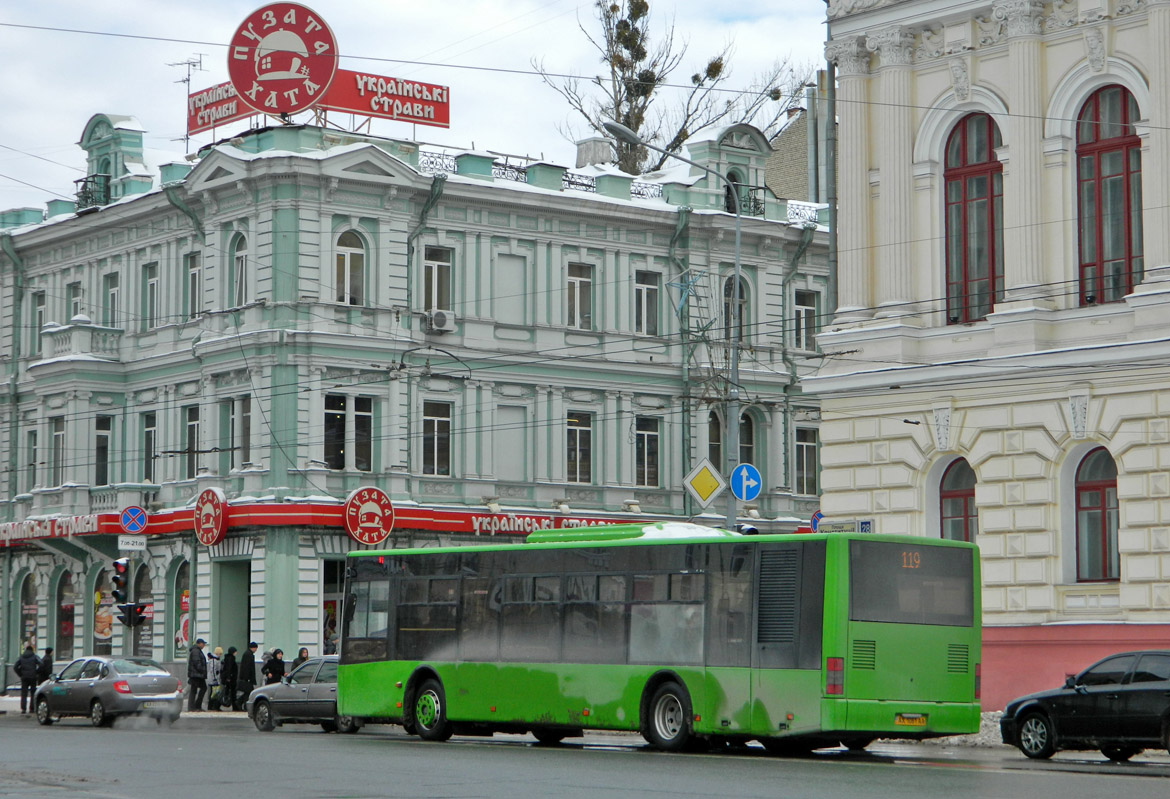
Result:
[637,67]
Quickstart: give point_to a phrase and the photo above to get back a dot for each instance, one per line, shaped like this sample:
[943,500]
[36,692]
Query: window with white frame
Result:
[806,461]
[191,442]
[436,438]
[237,431]
[646,288]
[579,447]
[38,314]
[349,278]
[111,299]
[730,306]
[103,427]
[647,432]
[579,291]
[194,268]
[149,443]
[57,455]
[437,266]
[240,276]
[150,297]
[804,315]
[73,299]
[349,432]
[715,440]
[30,450]
[747,439]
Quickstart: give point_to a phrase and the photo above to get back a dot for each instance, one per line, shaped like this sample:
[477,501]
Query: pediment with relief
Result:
[214,171]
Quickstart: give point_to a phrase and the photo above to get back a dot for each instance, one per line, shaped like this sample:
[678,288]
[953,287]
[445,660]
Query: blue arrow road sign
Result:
[133,519]
[746,482]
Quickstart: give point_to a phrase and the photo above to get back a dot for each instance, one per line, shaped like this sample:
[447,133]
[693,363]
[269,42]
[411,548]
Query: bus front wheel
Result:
[430,712]
[668,725]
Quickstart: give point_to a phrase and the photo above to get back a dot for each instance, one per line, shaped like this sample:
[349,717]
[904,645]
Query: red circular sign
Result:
[282,58]
[211,517]
[369,515]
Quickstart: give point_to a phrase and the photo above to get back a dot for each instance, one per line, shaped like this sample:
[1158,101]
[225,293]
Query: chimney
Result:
[793,110]
[594,150]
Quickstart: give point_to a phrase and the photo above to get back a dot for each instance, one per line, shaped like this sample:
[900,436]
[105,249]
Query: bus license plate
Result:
[910,719]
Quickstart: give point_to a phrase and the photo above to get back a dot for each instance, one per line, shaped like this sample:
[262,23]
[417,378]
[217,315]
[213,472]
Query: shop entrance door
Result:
[231,604]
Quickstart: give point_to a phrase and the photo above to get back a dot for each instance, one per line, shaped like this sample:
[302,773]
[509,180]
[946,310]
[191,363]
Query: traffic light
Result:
[121,575]
[133,613]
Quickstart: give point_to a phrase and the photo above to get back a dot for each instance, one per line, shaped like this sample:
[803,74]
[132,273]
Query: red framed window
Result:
[1109,196]
[973,179]
[1096,494]
[960,521]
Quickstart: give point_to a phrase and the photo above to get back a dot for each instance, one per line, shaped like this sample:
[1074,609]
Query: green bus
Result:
[687,634]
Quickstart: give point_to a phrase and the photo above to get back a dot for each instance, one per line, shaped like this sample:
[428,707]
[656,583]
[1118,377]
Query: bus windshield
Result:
[908,584]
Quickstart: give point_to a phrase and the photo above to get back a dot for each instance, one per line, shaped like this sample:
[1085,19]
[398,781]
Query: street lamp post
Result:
[622,133]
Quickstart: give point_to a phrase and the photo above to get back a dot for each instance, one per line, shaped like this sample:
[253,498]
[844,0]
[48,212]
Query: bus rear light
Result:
[835,676]
[978,681]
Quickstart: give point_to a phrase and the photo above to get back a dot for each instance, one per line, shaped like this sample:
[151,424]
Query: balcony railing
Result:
[751,200]
[92,190]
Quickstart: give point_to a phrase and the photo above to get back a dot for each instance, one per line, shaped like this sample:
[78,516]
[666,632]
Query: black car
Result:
[1120,705]
[307,695]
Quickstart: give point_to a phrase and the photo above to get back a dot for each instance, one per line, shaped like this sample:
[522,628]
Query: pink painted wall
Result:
[1020,660]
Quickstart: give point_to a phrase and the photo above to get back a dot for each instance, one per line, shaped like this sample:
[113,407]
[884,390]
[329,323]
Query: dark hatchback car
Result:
[103,688]
[308,695]
[1120,705]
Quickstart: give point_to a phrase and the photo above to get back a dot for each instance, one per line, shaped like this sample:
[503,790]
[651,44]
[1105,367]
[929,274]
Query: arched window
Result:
[1096,496]
[960,521]
[733,192]
[350,277]
[144,633]
[103,615]
[715,440]
[28,611]
[239,275]
[729,309]
[182,610]
[1109,190]
[974,219]
[747,439]
[66,602]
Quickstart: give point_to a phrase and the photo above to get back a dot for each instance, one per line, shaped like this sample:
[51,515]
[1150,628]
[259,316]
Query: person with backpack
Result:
[26,668]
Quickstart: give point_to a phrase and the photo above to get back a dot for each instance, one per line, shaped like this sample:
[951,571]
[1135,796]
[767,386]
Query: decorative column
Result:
[1156,159]
[1023,190]
[855,299]
[892,265]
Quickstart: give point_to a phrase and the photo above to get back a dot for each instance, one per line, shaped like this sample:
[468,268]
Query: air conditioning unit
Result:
[440,321]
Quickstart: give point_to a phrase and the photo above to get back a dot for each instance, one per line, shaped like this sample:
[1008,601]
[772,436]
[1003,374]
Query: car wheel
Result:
[1120,754]
[347,725]
[668,722]
[262,715]
[44,714]
[430,712]
[97,714]
[1036,738]
[329,726]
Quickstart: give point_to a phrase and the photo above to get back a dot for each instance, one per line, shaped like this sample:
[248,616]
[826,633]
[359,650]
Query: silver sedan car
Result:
[308,696]
[103,688]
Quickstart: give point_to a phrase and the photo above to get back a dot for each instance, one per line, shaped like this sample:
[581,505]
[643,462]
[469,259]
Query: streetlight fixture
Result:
[624,134]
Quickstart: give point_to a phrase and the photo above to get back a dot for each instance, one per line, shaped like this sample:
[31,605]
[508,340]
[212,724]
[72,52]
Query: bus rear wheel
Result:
[668,723]
[430,712]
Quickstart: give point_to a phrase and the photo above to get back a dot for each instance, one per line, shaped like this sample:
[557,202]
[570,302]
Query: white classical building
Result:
[996,368]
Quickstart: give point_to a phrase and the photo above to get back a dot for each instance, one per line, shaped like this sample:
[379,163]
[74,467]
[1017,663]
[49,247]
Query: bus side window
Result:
[729,575]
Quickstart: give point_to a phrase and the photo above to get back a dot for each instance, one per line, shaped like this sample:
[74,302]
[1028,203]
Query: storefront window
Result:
[144,633]
[333,587]
[182,609]
[103,615]
[66,597]
[28,612]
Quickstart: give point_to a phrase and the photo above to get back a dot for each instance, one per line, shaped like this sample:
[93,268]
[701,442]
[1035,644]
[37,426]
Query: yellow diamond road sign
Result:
[705,483]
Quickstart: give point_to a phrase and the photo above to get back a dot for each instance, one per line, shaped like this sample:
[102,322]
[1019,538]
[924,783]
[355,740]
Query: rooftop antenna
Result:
[193,64]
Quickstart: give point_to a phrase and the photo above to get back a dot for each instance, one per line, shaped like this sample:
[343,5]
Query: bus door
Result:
[786,655]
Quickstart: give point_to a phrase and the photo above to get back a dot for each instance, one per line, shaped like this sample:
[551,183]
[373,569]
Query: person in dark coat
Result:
[46,669]
[228,676]
[196,676]
[247,679]
[274,668]
[26,667]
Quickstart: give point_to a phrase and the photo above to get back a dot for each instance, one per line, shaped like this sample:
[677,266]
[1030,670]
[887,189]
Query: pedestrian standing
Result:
[214,667]
[247,679]
[196,676]
[26,667]
[228,677]
[46,669]
[274,668]
[301,657]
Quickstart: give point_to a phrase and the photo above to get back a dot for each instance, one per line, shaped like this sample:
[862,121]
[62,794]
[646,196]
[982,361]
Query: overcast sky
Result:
[53,81]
